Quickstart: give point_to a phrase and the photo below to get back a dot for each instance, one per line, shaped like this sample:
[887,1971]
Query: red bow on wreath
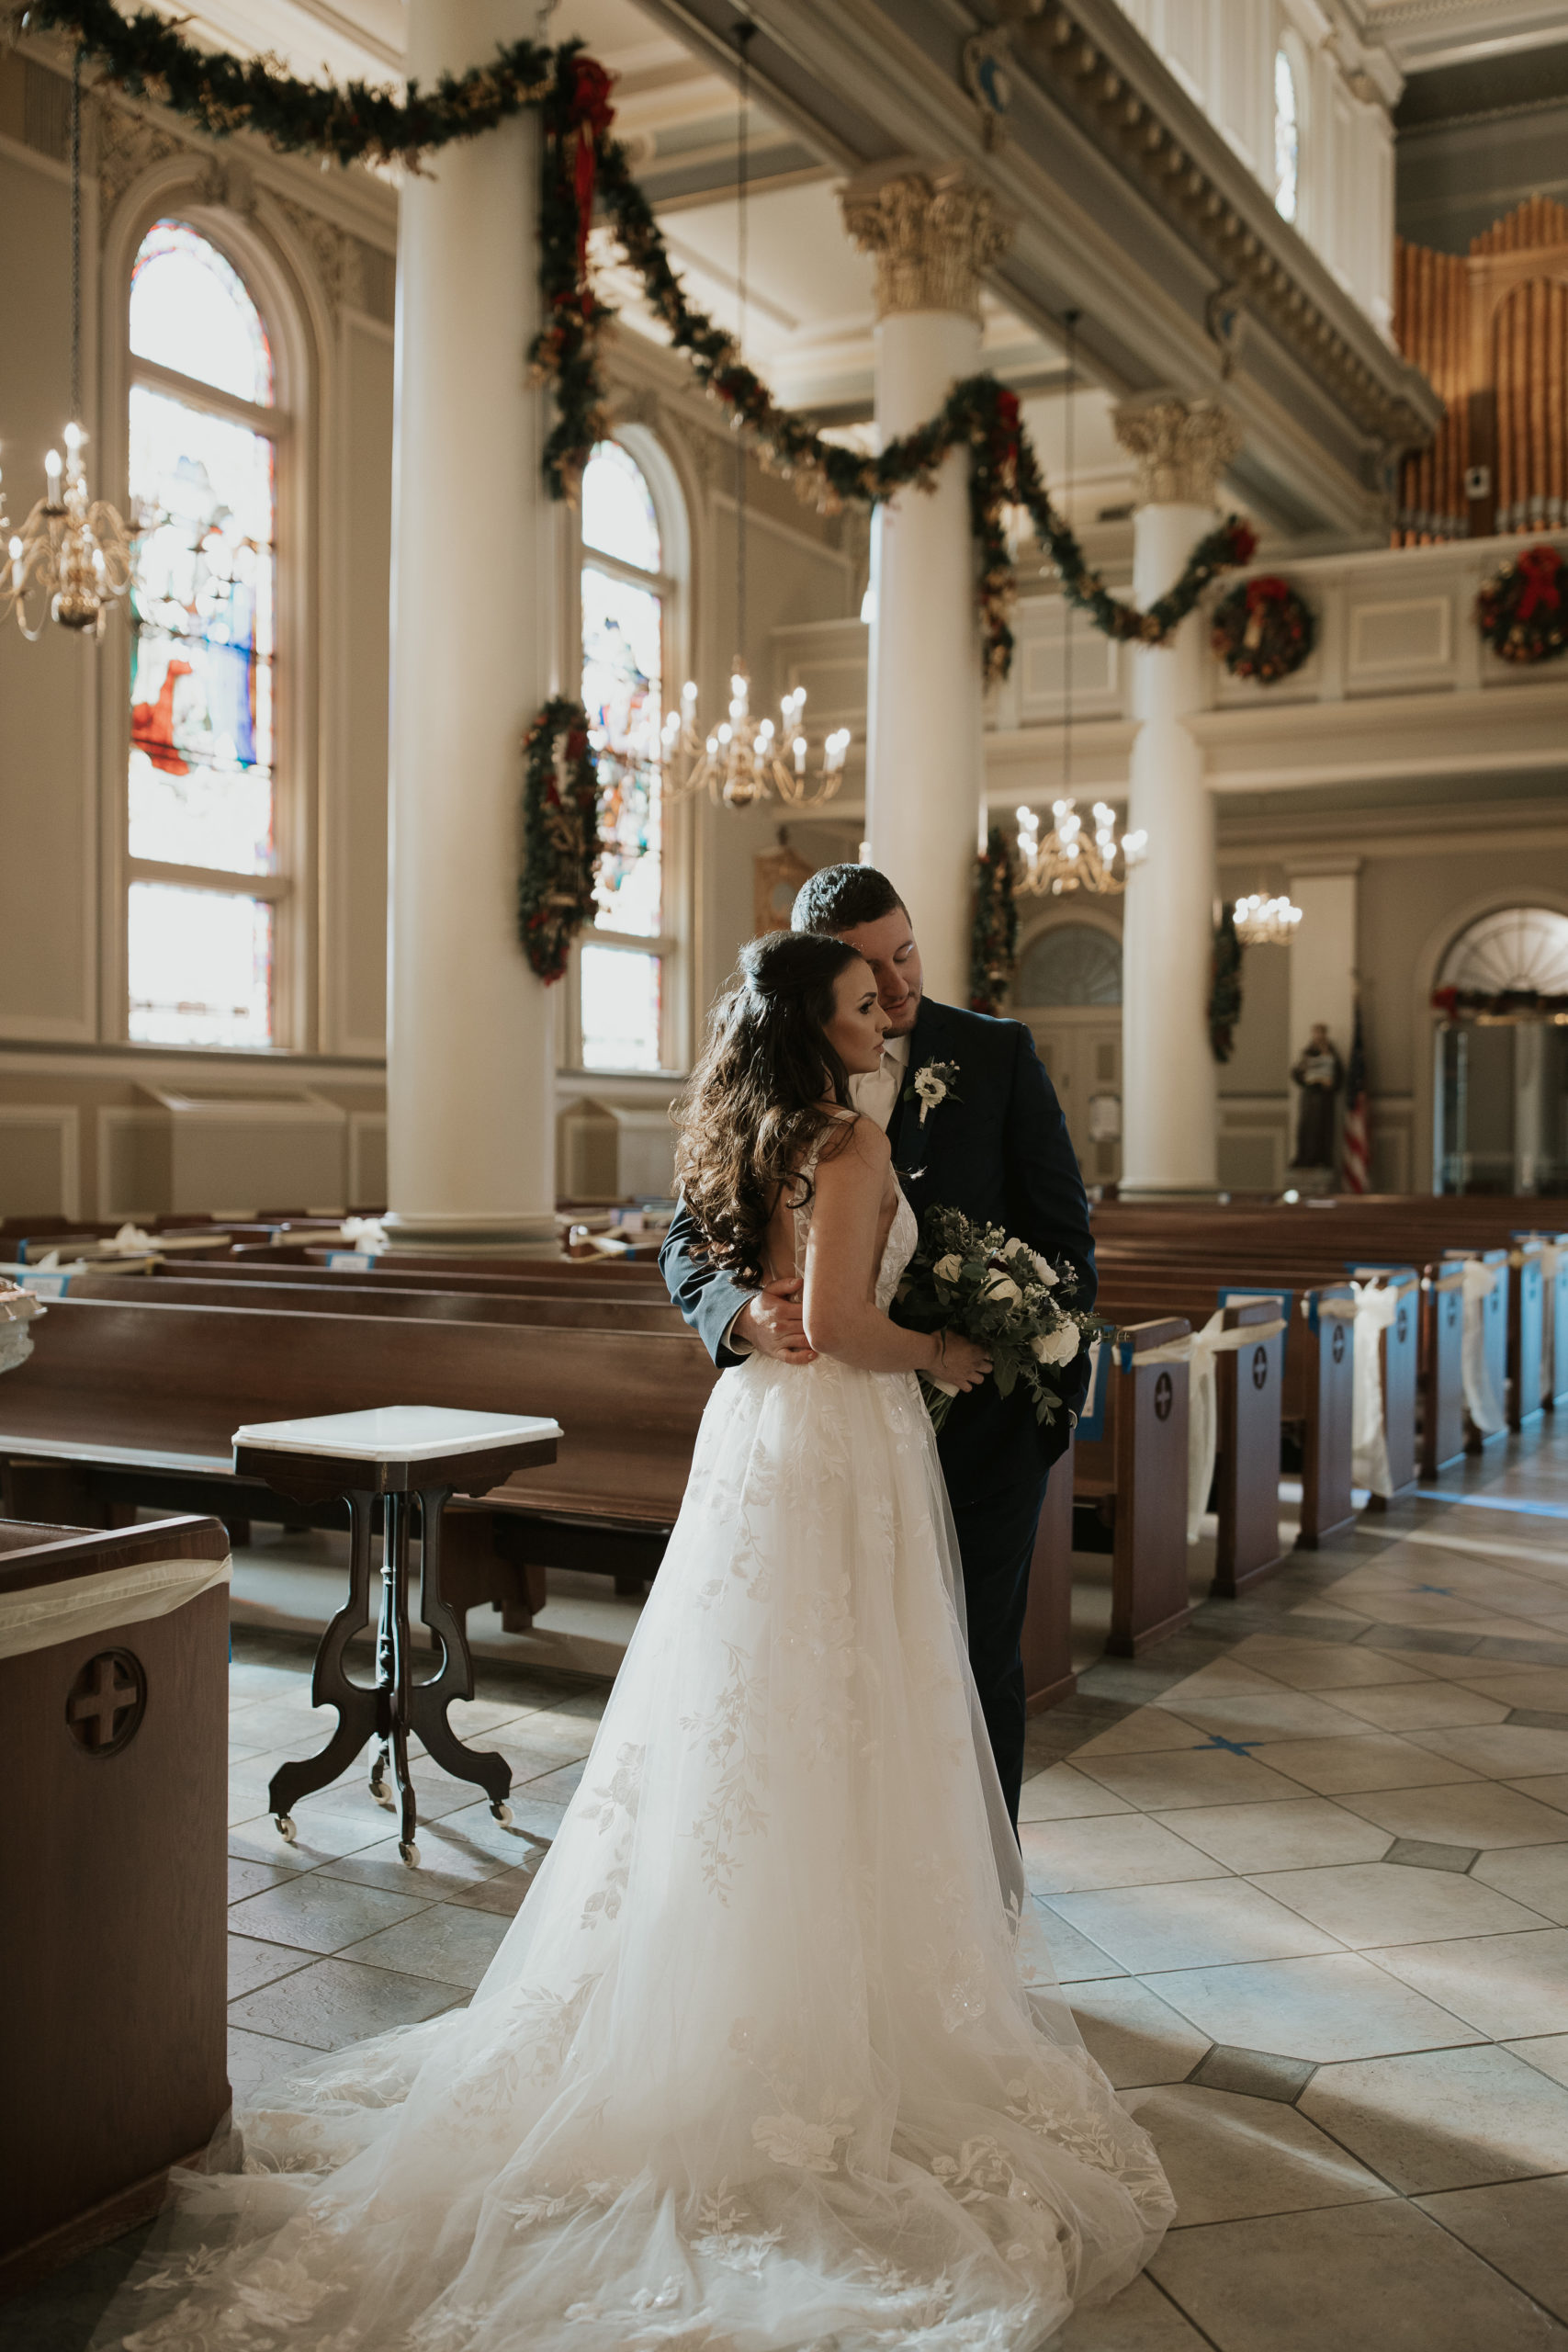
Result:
[1260,594]
[591,115]
[1538,568]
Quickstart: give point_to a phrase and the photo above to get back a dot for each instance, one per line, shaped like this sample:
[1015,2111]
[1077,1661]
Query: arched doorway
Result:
[1501,1056]
[1068,991]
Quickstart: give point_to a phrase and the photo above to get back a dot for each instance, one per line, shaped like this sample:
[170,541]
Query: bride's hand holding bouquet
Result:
[1004,1306]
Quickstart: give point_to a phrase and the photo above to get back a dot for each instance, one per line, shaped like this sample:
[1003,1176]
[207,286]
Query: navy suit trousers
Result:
[996,1543]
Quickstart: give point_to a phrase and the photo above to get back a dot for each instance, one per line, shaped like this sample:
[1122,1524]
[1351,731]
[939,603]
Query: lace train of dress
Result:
[769,2059]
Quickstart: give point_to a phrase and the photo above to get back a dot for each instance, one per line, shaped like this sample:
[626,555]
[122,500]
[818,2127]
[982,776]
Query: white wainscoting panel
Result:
[367,1160]
[1395,643]
[41,1160]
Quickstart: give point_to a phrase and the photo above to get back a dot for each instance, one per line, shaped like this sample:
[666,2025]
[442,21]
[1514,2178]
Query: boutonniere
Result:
[931,1086]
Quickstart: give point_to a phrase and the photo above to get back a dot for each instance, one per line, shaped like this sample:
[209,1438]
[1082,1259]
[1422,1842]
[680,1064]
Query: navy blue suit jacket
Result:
[998,1149]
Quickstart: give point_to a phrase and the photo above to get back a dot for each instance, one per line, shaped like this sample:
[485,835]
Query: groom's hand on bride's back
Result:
[773,1321]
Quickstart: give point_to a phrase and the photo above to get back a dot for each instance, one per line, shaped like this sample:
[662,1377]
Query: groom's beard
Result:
[901,1023]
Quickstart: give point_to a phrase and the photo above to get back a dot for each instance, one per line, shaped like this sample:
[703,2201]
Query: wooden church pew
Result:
[127,1400]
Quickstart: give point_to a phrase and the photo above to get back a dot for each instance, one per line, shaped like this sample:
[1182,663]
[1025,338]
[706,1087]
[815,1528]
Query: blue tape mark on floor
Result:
[1490,1502]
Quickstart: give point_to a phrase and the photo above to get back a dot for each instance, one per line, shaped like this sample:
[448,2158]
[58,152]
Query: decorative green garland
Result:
[1522,611]
[149,56]
[993,938]
[560,836]
[1263,628]
[1224,987]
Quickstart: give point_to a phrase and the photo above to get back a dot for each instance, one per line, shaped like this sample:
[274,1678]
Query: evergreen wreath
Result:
[993,938]
[584,165]
[560,836]
[1520,610]
[1263,630]
[1224,987]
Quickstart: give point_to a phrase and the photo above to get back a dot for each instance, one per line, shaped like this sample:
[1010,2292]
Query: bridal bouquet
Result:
[997,1291]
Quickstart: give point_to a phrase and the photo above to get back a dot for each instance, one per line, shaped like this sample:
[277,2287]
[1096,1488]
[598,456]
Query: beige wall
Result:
[78,1104]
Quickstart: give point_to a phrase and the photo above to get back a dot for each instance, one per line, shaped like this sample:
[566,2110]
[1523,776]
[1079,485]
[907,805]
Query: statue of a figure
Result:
[1320,1074]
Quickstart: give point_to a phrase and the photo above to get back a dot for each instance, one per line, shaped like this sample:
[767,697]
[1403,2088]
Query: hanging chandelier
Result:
[71,559]
[1069,858]
[745,760]
[1266,922]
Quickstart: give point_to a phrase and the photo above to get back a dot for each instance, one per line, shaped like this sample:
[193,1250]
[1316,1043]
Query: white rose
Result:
[949,1269]
[791,2140]
[999,1285]
[1059,1346]
[1044,1271]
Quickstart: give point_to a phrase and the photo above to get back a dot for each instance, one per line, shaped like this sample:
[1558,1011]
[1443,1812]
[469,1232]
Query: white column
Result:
[1169,1084]
[931,234]
[471,1057]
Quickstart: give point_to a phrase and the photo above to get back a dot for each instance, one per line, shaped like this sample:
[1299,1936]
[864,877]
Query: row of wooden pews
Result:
[137,1380]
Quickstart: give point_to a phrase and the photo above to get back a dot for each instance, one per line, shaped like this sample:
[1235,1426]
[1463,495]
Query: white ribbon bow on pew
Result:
[1198,1351]
[1376,1306]
[41,1615]
[1480,1398]
[1550,1257]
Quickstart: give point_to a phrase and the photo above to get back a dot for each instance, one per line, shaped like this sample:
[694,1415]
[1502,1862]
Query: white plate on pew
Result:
[397,1433]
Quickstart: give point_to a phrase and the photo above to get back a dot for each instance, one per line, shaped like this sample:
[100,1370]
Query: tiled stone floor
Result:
[1305,1871]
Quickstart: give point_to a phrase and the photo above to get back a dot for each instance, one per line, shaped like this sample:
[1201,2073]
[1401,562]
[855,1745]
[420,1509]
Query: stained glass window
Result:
[190,312]
[617,508]
[623,686]
[1287,137]
[201,639]
[620,1009]
[201,966]
[622,649]
[200,781]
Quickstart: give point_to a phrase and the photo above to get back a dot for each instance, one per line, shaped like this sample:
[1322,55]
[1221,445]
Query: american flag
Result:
[1356,1147]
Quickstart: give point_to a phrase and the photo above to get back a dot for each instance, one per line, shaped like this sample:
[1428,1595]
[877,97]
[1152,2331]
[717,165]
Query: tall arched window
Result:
[203,880]
[1287,137]
[626,598]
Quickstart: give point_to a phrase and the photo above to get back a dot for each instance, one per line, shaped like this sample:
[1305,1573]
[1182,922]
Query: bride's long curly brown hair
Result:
[754,1105]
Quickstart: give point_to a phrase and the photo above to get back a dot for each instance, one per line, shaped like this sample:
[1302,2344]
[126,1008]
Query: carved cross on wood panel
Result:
[107,1700]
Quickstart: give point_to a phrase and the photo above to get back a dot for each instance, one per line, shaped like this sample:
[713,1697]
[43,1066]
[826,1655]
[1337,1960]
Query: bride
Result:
[771,2057]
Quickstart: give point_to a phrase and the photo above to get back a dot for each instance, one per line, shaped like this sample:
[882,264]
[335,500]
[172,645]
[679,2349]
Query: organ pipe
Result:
[1490,329]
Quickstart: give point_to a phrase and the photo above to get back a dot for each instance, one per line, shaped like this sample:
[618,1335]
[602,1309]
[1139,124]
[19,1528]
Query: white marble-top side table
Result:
[390,1455]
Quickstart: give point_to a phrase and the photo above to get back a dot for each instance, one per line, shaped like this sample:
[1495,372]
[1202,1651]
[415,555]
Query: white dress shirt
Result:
[875,1095]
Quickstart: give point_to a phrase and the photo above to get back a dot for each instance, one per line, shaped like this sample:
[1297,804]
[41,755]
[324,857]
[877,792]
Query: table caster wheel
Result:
[286,1829]
[382,1794]
[409,1851]
[501,1813]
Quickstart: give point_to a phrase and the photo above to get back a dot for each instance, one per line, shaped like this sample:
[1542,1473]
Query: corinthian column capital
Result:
[1181,448]
[931,231]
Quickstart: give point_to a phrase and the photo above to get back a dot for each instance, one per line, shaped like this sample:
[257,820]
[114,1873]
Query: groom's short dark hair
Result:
[841,897]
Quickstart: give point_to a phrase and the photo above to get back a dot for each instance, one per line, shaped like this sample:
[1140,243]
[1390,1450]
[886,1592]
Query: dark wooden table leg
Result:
[395,1568]
[455,1677]
[358,1706]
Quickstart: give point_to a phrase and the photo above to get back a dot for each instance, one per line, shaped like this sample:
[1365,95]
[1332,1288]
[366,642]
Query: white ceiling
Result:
[1422,34]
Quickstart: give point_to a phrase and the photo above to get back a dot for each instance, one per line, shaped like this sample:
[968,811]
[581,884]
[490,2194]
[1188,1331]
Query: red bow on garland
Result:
[1538,568]
[1260,594]
[591,115]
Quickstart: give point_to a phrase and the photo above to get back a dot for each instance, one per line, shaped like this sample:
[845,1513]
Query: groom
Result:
[996,1149]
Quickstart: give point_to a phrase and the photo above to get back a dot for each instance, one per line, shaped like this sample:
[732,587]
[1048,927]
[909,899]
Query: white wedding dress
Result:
[773,2056]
